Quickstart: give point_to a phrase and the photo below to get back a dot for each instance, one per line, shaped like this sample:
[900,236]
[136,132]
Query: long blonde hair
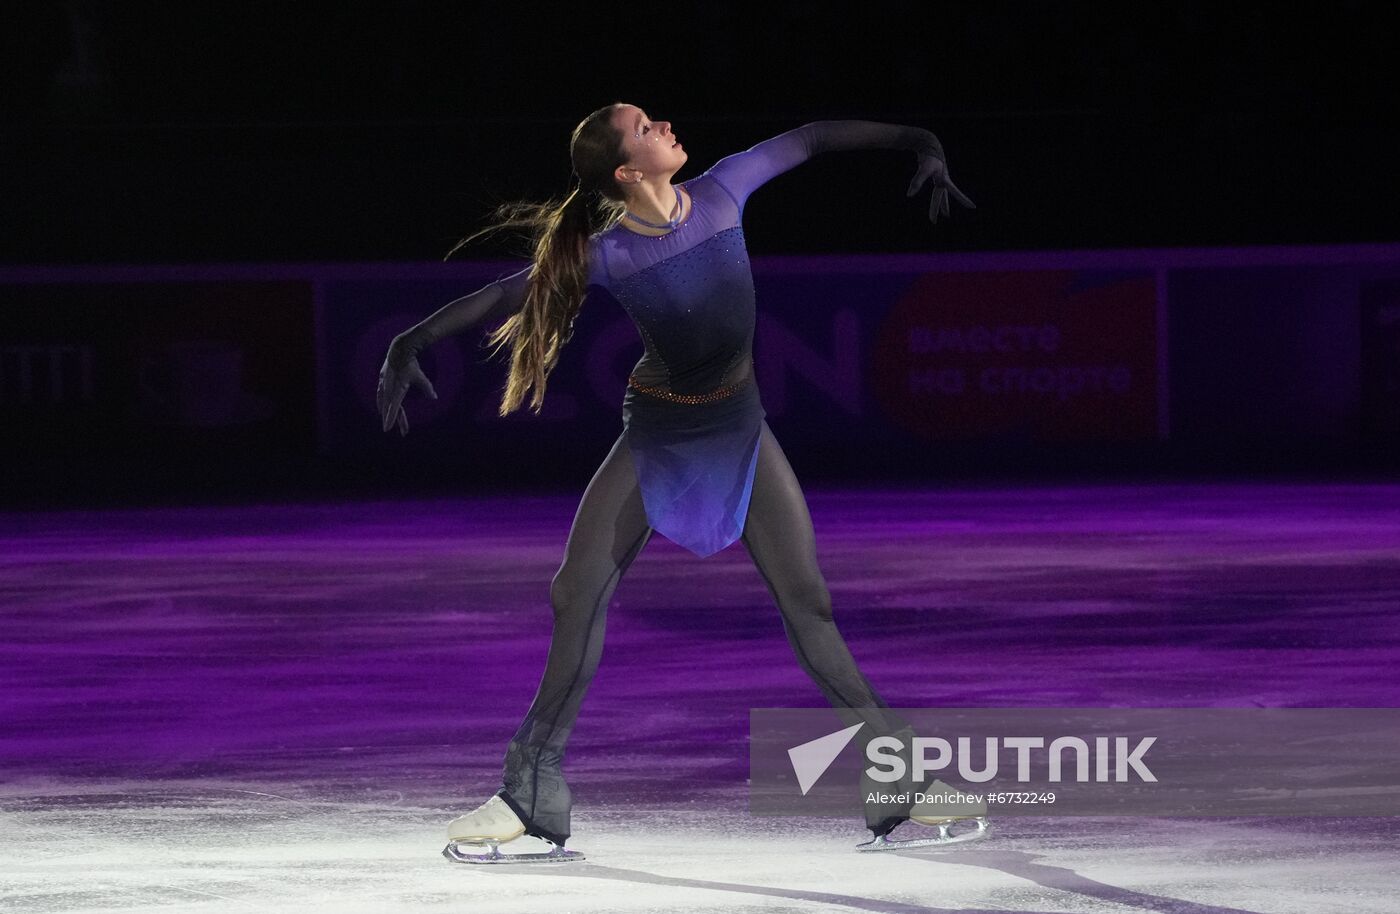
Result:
[559,231]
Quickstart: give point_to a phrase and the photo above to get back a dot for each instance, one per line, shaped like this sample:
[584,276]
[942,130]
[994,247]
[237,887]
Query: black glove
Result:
[933,166]
[827,136]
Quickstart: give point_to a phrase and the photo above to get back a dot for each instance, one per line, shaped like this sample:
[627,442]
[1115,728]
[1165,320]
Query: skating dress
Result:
[692,412]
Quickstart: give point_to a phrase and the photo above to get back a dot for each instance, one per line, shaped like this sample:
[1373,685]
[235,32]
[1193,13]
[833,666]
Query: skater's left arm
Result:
[744,172]
[496,300]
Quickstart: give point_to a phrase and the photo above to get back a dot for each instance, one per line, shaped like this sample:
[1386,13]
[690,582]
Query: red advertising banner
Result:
[1052,355]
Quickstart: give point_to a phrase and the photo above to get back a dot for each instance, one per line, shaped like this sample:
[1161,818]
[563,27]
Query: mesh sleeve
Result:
[744,172]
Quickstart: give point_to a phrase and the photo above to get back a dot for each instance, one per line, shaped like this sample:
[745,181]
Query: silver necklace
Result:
[665,225]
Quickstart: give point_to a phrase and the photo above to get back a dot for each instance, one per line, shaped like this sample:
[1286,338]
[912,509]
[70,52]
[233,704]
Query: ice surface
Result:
[279,708]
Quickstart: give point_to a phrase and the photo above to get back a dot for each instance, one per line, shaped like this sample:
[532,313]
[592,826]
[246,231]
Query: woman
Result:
[696,459]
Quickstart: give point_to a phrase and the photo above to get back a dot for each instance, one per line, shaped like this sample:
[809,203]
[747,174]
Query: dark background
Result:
[194,131]
[259,133]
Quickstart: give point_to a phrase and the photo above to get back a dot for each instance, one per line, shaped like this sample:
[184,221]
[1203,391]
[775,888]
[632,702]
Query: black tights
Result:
[609,530]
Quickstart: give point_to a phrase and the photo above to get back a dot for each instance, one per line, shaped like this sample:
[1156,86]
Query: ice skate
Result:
[493,833]
[944,824]
[941,809]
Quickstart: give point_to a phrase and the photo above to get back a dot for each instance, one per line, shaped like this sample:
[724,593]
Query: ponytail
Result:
[560,228]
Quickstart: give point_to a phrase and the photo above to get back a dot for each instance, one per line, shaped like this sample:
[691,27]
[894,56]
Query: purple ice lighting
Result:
[403,640]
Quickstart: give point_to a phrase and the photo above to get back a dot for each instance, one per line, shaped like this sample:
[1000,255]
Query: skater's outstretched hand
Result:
[933,166]
[399,372]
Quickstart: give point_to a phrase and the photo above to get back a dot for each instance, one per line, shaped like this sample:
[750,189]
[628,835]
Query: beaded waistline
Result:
[718,393]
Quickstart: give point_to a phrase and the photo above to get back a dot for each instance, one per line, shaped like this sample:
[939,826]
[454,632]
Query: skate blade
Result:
[491,853]
[945,836]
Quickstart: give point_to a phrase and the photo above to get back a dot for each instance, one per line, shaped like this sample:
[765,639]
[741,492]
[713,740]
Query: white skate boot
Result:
[494,826]
[942,816]
[945,834]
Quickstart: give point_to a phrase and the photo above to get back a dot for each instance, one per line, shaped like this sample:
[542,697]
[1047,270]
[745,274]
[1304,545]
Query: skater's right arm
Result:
[487,305]
[491,303]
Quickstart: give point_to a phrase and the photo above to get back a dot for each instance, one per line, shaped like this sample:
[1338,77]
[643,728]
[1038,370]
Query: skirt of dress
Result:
[695,464]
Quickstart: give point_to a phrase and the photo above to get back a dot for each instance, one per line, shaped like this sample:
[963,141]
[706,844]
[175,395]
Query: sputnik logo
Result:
[811,759]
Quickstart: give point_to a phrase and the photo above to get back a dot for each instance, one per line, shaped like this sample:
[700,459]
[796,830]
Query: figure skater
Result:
[695,460]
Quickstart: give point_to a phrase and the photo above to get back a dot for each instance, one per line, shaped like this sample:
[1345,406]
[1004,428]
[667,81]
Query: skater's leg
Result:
[779,537]
[609,530]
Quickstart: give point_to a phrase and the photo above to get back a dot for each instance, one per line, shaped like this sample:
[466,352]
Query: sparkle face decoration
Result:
[652,147]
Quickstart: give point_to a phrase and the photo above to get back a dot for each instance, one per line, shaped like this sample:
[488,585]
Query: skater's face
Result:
[652,150]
